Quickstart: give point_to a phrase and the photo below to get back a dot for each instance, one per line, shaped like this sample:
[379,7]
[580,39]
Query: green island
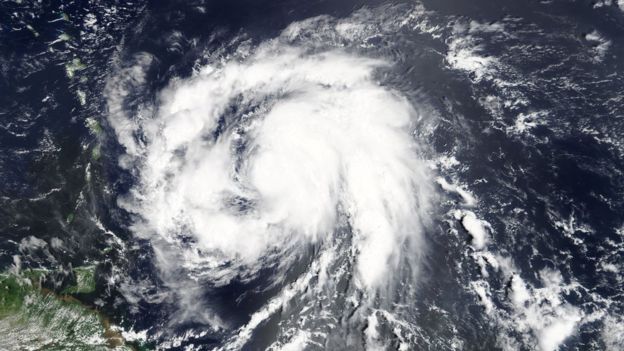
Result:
[35,318]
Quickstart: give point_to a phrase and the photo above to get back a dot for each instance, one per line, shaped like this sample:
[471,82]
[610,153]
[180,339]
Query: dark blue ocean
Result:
[521,127]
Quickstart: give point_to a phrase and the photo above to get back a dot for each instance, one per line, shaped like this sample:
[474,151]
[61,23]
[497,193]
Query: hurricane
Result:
[254,160]
[284,175]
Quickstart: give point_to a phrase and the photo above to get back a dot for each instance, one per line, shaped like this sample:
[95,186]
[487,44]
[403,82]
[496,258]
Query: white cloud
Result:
[255,157]
[477,228]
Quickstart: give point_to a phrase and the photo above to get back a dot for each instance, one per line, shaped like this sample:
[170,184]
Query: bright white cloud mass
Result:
[262,155]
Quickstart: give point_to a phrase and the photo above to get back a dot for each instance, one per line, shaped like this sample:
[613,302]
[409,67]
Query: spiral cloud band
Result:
[265,154]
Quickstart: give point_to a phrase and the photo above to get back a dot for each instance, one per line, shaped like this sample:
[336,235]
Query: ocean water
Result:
[198,175]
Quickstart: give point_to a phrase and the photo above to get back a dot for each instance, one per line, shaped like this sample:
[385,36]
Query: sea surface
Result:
[290,175]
